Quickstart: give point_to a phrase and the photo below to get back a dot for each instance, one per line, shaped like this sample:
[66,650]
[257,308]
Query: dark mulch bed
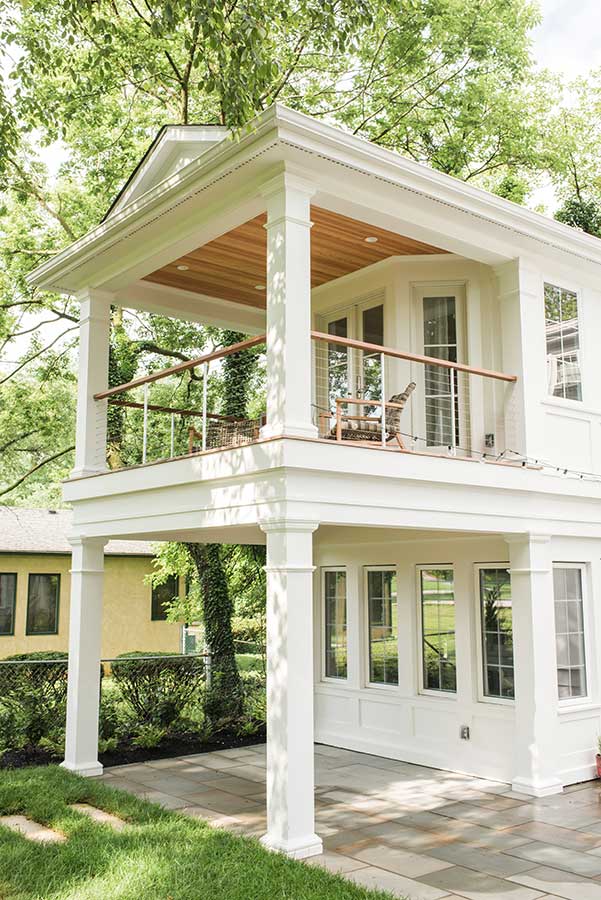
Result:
[185,745]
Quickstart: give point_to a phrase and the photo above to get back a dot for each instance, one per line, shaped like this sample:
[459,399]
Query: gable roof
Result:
[174,147]
[46,530]
[279,133]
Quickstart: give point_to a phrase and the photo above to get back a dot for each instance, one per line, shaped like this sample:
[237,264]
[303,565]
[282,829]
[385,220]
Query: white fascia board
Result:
[359,153]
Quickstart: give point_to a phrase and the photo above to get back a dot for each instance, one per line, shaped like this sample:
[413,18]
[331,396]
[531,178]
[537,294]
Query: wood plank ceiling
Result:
[232,267]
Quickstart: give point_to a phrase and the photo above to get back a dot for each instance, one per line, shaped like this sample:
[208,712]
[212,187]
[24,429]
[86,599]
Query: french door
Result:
[351,372]
[444,416]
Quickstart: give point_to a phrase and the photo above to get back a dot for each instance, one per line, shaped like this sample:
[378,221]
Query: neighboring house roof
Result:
[46,530]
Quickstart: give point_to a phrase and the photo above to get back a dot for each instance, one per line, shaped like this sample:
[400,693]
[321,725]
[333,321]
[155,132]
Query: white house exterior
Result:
[434,598]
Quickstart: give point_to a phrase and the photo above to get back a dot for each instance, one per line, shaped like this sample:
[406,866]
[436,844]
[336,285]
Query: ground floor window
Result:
[162,596]
[437,595]
[569,631]
[382,625]
[335,623]
[8,596]
[42,604]
[497,632]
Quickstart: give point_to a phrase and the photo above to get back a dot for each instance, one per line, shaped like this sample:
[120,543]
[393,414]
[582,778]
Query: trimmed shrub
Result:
[34,692]
[158,688]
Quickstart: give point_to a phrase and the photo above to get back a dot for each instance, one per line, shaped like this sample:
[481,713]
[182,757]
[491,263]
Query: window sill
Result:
[577,710]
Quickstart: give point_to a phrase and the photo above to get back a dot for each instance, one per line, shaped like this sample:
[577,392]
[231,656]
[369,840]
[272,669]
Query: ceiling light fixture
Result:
[183,268]
[371,239]
[259,287]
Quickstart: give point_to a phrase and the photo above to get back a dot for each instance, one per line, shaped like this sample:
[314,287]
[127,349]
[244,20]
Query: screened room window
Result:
[8,596]
[497,632]
[569,632]
[438,629]
[162,595]
[563,343]
[382,626]
[335,623]
[42,604]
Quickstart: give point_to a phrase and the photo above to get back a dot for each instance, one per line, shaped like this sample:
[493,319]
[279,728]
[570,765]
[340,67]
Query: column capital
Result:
[288,526]
[288,179]
[79,540]
[527,537]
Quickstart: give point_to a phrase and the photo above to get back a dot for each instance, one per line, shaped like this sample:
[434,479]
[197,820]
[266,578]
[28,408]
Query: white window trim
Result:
[424,691]
[376,685]
[331,679]
[574,703]
[567,402]
[482,697]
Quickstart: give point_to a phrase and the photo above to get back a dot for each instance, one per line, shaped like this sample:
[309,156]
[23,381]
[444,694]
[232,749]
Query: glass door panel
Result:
[441,389]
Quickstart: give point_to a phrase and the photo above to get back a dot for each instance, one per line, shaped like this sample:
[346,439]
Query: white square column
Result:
[536,728]
[290,767]
[90,435]
[289,363]
[85,627]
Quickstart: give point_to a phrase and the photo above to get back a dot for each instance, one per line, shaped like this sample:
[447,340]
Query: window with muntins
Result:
[569,632]
[438,629]
[42,604]
[335,623]
[563,343]
[382,626]
[8,596]
[497,632]
[441,387]
[162,596]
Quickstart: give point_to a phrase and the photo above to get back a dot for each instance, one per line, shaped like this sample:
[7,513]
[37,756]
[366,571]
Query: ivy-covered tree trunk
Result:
[225,697]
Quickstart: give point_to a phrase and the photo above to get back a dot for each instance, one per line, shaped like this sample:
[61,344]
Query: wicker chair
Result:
[369,428]
[225,433]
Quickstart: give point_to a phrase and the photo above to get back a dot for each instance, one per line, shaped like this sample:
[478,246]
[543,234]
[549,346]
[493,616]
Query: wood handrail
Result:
[412,357]
[182,367]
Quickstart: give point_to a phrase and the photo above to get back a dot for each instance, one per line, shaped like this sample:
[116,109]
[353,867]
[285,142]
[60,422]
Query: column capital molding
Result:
[307,570]
[288,526]
[527,537]
[90,293]
[77,540]
[288,179]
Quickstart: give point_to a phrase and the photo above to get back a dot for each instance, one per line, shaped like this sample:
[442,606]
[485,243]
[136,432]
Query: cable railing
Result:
[370,394]
[166,414]
[362,393]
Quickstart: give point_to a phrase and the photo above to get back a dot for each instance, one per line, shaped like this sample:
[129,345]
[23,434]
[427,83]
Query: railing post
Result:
[383,385]
[205,381]
[172,442]
[453,423]
[145,427]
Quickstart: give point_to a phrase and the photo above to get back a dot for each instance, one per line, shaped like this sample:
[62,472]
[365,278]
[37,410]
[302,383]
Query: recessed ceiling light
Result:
[182,268]
[371,239]
[259,287]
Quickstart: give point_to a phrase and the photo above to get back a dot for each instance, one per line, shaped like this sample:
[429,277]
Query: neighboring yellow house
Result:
[35,582]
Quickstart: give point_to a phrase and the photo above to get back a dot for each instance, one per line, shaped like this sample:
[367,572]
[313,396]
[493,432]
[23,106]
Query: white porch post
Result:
[90,439]
[81,744]
[290,773]
[535,742]
[288,307]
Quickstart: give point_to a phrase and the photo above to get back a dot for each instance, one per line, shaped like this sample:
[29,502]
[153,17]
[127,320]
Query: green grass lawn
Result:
[162,856]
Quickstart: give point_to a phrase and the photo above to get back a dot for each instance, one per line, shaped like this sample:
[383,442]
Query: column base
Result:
[537,788]
[301,848]
[87,471]
[289,430]
[87,770]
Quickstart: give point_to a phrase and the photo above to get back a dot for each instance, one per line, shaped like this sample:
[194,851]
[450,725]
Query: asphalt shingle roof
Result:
[46,530]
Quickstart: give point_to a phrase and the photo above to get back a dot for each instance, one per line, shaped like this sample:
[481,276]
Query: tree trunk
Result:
[224,698]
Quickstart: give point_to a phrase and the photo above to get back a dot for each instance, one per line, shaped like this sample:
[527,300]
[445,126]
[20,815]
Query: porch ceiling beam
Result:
[193,307]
